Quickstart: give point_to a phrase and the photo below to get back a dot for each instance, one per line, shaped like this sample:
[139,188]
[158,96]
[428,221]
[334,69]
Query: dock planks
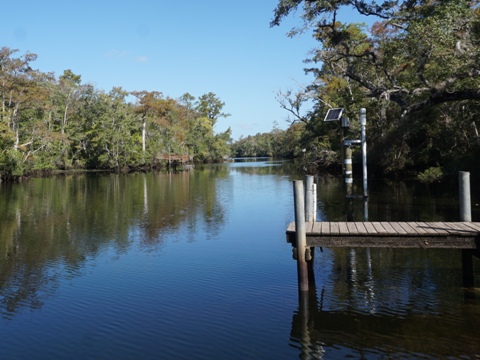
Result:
[449,235]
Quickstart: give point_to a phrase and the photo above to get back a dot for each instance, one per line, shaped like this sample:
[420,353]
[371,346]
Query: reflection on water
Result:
[69,219]
[195,265]
[388,303]
[377,303]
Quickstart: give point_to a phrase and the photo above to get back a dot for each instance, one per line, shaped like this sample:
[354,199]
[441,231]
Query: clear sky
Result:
[171,46]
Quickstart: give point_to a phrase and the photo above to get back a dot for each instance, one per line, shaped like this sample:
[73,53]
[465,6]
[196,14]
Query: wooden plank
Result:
[291,227]
[439,227]
[308,227]
[473,225]
[317,228]
[462,235]
[457,229]
[379,228]
[342,226]
[361,229]
[420,228]
[408,228]
[427,228]
[398,228]
[325,228]
[352,228]
[389,228]
[334,229]
[370,228]
[463,227]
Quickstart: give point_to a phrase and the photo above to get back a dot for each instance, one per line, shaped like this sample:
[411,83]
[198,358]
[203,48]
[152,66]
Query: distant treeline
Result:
[50,123]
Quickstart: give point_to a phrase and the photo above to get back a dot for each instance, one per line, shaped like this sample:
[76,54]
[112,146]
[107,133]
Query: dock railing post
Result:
[466,215]
[300,234]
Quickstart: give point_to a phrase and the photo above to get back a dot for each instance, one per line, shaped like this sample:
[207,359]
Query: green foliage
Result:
[277,143]
[430,175]
[48,124]
[415,71]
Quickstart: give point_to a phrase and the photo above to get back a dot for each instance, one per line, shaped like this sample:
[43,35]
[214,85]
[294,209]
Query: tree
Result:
[24,97]
[147,105]
[398,62]
[112,135]
[68,86]
[48,123]
[206,145]
[210,106]
[401,75]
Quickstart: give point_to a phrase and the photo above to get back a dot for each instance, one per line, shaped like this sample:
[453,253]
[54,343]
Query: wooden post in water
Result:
[310,216]
[309,201]
[464,188]
[300,233]
[363,125]
[466,215]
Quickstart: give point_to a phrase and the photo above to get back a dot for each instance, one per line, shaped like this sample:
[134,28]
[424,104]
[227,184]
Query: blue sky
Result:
[195,46]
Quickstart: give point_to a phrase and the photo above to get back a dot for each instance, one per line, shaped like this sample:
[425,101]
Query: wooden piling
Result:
[464,189]
[363,125]
[301,237]
[310,216]
[309,200]
[466,215]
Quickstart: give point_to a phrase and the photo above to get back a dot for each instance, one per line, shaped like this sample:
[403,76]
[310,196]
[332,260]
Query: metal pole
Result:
[363,125]
[348,170]
[300,234]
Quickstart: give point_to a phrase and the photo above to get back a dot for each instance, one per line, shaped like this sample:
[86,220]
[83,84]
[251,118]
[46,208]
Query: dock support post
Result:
[300,233]
[309,200]
[465,205]
[363,125]
[466,215]
[310,216]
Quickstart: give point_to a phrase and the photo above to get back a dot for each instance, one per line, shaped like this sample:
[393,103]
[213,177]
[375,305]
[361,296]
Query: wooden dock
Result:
[305,233]
[449,235]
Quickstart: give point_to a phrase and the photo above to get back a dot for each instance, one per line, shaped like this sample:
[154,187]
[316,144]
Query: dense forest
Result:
[415,71]
[49,123]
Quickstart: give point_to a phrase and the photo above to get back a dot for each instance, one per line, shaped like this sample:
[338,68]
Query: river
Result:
[195,265]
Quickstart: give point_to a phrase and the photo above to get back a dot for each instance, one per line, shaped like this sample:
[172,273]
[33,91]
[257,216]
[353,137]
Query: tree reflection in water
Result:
[65,220]
[377,303]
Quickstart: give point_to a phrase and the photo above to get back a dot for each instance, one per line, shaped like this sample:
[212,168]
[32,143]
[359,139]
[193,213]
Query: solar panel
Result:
[334,114]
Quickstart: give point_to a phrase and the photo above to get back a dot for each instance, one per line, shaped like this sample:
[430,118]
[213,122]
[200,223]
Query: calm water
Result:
[195,265]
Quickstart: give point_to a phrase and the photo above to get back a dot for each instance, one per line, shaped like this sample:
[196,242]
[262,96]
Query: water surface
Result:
[194,265]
